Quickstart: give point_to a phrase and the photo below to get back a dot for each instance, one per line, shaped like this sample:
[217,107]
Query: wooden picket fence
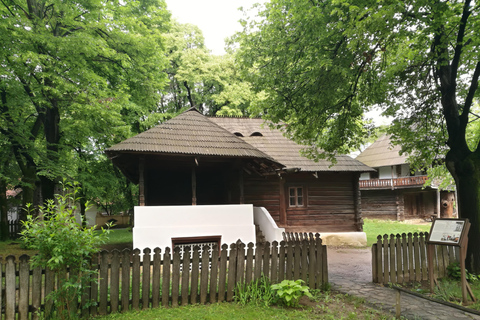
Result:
[403,258]
[131,280]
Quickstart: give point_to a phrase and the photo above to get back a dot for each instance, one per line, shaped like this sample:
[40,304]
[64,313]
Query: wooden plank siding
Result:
[398,204]
[263,192]
[379,204]
[329,201]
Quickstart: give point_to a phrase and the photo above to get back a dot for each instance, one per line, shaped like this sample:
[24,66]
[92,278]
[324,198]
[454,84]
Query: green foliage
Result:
[323,64]
[259,293]
[76,78]
[455,273]
[62,243]
[288,292]
[200,79]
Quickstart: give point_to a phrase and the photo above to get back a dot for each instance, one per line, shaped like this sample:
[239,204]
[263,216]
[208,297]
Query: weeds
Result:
[258,292]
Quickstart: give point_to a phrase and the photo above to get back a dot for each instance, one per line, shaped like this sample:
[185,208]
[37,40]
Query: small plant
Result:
[289,292]
[447,291]
[258,292]
[454,272]
[63,245]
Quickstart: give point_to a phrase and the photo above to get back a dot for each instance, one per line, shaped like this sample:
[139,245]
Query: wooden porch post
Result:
[240,184]
[141,181]
[194,187]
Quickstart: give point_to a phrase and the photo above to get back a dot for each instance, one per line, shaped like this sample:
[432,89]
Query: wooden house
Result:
[197,160]
[394,191]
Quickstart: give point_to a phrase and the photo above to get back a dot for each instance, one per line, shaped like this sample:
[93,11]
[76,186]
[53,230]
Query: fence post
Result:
[115,281]
[406,277]
[374,263]
[186,274]
[10,288]
[195,269]
[312,259]
[398,253]
[23,292]
[146,278]
[214,274]
[156,277]
[266,259]
[274,271]
[386,273]
[175,276]
[232,264]
[126,254]
[102,308]
[166,278]
[136,279]
[204,274]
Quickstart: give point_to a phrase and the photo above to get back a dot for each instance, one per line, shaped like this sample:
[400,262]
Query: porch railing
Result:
[393,182]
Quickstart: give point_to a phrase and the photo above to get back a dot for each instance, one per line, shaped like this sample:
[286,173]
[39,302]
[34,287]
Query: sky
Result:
[218,19]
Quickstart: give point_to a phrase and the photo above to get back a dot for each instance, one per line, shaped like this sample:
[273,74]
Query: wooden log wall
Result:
[403,258]
[330,203]
[131,280]
[263,192]
[379,204]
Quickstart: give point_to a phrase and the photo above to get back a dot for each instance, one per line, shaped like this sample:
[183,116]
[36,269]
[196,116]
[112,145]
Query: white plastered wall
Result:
[155,226]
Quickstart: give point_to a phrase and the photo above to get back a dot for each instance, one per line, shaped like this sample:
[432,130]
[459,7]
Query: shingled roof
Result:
[282,149]
[190,133]
[382,153]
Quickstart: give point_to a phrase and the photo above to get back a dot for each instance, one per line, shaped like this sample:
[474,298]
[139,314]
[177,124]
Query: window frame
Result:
[296,197]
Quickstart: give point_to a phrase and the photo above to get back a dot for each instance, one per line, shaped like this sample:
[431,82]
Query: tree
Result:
[322,64]
[200,79]
[62,64]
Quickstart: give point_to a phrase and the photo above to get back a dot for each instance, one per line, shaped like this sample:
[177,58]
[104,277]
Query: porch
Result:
[393,183]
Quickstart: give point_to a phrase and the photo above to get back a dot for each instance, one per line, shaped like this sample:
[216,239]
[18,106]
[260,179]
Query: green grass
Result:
[374,228]
[119,236]
[450,290]
[14,247]
[328,306]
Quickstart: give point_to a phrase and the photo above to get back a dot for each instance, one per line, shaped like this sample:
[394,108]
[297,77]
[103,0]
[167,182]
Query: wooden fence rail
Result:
[131,280]
[403,258]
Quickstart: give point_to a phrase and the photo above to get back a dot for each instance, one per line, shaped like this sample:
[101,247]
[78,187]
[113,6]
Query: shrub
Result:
[453,271]
[62,243]
[289,292]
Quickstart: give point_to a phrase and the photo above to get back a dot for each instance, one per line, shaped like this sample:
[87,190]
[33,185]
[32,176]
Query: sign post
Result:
[450,232]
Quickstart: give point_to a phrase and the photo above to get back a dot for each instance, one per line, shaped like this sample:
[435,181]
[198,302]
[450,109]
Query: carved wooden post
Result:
[194,187]
[240,184]
[283,211]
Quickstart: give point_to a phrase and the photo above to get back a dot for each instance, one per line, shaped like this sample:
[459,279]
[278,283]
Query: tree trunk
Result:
[466,173]
[4,234]
[28,189]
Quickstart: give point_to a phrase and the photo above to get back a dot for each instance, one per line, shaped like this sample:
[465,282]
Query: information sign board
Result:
[447,232]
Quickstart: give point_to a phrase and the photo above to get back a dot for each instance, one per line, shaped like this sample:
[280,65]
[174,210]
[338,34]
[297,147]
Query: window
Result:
[295,195]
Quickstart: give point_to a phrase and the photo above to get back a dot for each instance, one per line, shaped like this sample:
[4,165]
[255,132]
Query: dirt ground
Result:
[350,263]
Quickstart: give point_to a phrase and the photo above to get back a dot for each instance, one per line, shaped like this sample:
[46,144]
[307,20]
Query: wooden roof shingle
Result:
[282,149]
[190,133]
[382,153]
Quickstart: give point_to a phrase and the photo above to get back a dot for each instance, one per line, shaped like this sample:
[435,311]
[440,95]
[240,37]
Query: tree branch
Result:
[8,8]
[471,94]
[460,38]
